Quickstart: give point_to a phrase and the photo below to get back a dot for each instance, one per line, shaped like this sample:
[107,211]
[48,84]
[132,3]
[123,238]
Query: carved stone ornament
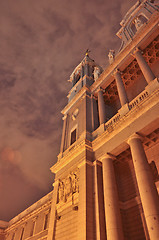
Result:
[74,114]
[68,186]
[138,23]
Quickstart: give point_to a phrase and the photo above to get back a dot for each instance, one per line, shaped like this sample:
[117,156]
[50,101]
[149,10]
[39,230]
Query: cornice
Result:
[32,210]
[70,155]
[31,215]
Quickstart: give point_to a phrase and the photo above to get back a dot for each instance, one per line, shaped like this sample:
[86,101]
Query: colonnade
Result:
[147,190]
[149,77]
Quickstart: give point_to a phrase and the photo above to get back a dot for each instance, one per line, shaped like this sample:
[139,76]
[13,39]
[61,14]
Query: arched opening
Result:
[137,23]
[133,28]
[143,19]
[76,78]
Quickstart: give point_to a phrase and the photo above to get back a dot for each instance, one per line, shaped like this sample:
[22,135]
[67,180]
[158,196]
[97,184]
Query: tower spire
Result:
[87,52]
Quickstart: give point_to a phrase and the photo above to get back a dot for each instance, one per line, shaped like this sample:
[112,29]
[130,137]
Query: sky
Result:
[41,42]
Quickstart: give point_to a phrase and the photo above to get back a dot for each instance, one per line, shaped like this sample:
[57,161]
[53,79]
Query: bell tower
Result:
[72,213]
[80,114]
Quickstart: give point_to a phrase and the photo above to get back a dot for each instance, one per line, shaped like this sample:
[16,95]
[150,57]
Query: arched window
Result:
[77,78]
[143,19]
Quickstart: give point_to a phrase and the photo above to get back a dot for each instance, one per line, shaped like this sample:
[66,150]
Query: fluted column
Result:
[146,70]
[120,87]
[147,189]
[101,107]
[112,210]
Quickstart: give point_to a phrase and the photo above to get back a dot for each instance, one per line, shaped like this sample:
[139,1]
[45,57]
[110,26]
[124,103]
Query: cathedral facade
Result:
[107,174]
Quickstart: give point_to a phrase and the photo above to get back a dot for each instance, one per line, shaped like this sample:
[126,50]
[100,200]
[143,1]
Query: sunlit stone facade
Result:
[107,174]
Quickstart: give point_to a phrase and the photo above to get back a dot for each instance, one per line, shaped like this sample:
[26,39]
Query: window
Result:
[73,136]
[46,221]
[21,237]
[32,229]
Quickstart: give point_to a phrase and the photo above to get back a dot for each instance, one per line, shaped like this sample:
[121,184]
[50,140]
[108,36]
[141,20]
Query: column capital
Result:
[55,183]
[135,50]
[99,89]
[64,117]
[97,162]
[35,218]
[107,155]
[24,225]
[93,96]
[116,70]
[134,136]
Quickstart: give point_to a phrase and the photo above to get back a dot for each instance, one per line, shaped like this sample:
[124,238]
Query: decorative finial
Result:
[87,52]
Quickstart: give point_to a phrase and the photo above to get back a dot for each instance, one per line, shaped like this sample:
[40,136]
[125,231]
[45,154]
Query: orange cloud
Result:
[10,155]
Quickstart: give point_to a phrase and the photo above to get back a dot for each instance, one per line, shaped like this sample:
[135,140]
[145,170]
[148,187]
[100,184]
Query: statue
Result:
[138,23]
[111,56]
[96,73]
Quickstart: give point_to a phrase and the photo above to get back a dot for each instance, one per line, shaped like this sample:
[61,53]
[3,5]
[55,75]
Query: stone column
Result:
[63,134]
[101,107]
[51,229]
[147,189]
[120,87]
[146,70]
[112,210]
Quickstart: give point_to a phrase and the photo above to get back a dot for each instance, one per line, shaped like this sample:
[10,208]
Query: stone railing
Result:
[138,99]
[108,126]
[112,121]
[111,124]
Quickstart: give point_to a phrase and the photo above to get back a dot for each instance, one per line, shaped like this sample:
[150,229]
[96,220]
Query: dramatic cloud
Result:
[41,42]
